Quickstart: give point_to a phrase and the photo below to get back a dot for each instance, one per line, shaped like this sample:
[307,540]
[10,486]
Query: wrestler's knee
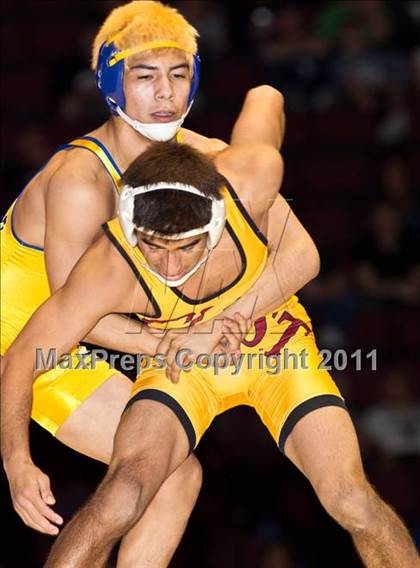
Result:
[119,497]
[349,499]
[129,485]
[189,479]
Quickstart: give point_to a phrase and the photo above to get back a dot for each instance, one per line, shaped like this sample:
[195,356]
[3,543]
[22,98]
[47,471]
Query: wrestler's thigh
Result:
[299,385]
[151,439]
[91,428]
[324,446]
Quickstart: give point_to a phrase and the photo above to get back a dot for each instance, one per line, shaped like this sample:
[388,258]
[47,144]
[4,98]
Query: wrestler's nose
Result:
[173,264]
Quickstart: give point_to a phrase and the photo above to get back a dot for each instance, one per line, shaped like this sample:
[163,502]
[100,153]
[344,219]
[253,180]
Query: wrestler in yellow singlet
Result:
[24,287]
[280,398]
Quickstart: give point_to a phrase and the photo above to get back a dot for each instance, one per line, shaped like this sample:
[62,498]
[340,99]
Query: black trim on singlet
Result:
[245,213]
[167,400]
[137,274]
[305,408]
[217,294]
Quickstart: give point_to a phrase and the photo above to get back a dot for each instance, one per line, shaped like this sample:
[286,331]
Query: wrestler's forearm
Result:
[285,274]
[293,261]
[288,269]
[124,334]
[269,292]
[16,403]
[264,109]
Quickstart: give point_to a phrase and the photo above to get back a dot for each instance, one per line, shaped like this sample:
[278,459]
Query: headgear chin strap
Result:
[110,80]
[155,131]
[214,228]
[179,281]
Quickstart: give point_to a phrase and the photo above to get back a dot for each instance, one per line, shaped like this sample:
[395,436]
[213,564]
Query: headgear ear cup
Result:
[195,77]
[110,78]
[217,223]
[126,213]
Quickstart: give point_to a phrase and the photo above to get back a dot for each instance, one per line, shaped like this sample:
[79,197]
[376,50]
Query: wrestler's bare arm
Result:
[252,162]
[292,262]
[209,146]
[254,165]
[79,199]
[100,283]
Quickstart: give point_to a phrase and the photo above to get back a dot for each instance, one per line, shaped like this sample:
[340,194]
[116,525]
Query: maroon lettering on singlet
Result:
[190,318]
[260,326]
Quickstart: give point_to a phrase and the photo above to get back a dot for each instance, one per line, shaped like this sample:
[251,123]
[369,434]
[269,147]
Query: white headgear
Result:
[214,228]
[126,213]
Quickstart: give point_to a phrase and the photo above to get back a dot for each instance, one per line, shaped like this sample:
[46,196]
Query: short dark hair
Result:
[170,211]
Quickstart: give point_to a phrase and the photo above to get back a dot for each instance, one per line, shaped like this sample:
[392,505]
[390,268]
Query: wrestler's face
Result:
[172,259]
[156,85]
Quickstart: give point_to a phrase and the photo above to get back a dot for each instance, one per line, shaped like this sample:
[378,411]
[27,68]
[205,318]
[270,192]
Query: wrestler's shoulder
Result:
[107,262]
[78,173]
[203,143]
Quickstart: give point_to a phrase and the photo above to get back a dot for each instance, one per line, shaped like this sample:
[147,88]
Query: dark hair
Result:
[170,211]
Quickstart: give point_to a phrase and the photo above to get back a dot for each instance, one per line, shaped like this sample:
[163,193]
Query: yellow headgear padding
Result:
[134,25]
[144,47]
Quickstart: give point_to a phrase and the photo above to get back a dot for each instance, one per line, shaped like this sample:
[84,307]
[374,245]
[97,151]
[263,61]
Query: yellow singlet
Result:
[24,287]
[24,281]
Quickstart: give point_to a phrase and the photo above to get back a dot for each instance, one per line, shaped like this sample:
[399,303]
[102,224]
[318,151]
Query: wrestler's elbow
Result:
[8,364]
[8,359]
[267,91]
[310,260]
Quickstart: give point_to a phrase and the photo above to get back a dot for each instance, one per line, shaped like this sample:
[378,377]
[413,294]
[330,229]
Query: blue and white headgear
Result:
[110,80]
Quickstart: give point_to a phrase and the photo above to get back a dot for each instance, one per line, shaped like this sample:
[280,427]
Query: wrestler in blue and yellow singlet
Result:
[24,287]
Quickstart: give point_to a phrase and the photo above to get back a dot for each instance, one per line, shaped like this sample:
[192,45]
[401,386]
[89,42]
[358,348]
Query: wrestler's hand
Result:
[32,497]
[234,331]
[182,346]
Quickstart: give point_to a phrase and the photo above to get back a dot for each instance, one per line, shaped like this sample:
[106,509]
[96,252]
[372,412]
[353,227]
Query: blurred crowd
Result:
[350,74]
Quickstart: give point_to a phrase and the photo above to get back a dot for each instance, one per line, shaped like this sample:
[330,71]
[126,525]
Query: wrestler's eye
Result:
[179,75]
[144,77]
